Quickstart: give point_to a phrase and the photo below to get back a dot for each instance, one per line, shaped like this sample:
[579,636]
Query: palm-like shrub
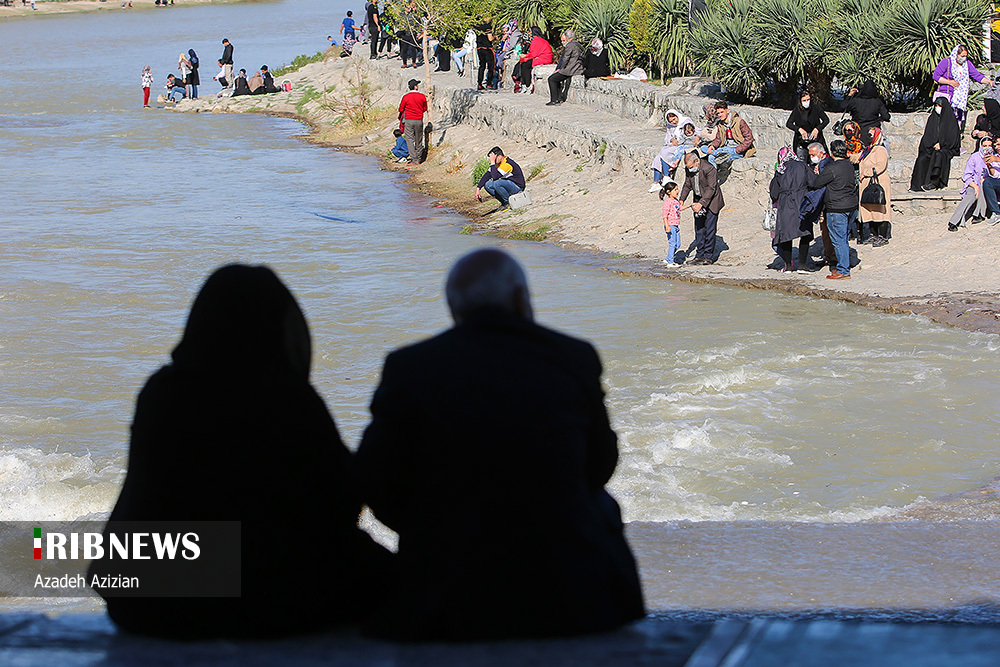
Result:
[920,33]
[722,47]
[671,48]
[607,19]
[754,47]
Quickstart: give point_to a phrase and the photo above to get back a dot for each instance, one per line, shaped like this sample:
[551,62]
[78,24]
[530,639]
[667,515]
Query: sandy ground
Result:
[48,7]
[579,202]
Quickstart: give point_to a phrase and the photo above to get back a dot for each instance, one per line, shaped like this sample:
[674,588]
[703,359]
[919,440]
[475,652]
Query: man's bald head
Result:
[487,279]
[691,159]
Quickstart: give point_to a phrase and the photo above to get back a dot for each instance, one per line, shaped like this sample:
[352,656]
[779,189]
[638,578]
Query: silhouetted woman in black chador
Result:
[232,430]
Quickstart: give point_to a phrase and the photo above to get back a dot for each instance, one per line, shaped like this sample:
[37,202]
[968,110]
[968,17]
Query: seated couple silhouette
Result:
[505,528]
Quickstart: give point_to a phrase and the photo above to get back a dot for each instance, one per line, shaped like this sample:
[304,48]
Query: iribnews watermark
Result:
[124,559]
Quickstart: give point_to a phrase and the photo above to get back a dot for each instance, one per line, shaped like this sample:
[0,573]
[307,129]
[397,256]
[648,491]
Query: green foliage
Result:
[535,171]
[552,16]
[670,19]
[761,48]
[481,168]
[922,32]
[607,19]
[642,27]
[298,63]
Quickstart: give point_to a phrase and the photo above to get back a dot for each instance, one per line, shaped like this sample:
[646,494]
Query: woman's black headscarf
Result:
[868,90]
[193,58]
[942,128]
[537,32]
[244,321]
[993,116]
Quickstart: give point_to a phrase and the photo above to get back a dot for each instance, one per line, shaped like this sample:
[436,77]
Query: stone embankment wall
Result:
[623,130]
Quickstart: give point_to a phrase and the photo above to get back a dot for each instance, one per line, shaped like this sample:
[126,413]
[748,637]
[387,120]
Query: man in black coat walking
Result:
[488,453]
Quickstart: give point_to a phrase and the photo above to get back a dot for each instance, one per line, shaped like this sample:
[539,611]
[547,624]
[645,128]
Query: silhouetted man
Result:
[488,453]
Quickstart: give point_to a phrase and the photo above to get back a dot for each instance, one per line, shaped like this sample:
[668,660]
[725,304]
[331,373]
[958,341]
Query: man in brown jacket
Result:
[570,65]
[733,136]
[702,179]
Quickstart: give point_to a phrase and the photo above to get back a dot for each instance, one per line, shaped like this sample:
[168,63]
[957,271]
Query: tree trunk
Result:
[427,77]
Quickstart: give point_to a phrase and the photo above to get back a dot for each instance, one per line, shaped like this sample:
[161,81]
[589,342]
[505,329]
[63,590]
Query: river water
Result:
[777,453]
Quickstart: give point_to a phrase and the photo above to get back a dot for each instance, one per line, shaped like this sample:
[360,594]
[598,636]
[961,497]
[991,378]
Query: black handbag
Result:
[873,193]
[838,127]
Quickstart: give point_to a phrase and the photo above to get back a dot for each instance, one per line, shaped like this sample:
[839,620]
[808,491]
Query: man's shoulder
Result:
[532,333]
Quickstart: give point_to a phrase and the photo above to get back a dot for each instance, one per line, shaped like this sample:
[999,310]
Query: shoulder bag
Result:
[770,221]
[873,193]
[838,127]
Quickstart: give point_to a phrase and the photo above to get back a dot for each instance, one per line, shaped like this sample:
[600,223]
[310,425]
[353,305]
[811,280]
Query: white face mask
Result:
[692,170]
[814,159]
[805,105]
[961,60]
[937,110]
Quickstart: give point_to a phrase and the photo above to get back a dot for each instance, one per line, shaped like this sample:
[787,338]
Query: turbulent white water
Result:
[730,405]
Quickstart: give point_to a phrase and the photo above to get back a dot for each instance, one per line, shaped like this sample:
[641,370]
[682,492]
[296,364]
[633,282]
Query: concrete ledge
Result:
[78,640]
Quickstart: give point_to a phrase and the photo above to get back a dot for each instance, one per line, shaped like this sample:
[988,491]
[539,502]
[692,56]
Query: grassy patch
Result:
[482,166]
[536,170]
[604,147]
[467,229]
[522,234]
[579,167]
[298,63]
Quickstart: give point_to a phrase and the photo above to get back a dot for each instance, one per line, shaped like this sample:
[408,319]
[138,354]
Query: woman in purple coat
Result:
[954,75]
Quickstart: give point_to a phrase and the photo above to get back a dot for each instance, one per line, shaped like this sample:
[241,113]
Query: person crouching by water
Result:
[503,179]
[672,207]
[175,88]
[973,204]
[232,430]
[505,527]
[841,202]
[788,189]
[400,151]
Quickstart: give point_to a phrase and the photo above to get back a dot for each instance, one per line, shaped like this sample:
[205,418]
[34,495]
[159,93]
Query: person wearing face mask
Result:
[701,178]
[841,204]
[806,121]
[973,204]
[953,76]
[873,165]
[940,143]
[812,205]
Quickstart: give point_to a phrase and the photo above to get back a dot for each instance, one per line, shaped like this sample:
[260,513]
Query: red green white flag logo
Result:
[38,543]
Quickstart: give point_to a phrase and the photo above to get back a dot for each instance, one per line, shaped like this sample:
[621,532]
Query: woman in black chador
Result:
[940,143]
[232,430]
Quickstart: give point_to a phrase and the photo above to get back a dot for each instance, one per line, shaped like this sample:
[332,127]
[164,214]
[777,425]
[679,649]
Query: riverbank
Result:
[589,192]
[50,7]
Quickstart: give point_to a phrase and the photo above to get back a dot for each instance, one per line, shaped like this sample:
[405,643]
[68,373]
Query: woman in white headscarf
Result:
[954,75]
[671,145]
[596,62]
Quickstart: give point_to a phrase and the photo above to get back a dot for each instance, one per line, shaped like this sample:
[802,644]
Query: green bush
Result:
[608,19]
[481,168]
[298,63]
[765,48]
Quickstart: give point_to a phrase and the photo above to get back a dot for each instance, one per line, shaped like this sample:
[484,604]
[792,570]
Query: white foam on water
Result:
[37,486]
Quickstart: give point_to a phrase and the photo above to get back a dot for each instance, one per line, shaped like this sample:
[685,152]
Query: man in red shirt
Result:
[411,111]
